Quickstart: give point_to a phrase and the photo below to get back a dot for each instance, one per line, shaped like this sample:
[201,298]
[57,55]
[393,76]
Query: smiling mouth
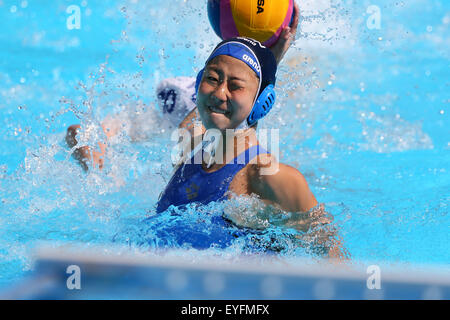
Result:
[217,110]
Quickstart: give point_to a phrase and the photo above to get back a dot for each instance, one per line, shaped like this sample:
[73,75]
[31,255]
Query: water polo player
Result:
[234,91]
[176,99]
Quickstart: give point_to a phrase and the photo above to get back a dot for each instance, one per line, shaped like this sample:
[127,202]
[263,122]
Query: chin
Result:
[217,125]
[215,121]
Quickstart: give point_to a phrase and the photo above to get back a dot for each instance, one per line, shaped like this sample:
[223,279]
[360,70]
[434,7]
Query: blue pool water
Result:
[363,114]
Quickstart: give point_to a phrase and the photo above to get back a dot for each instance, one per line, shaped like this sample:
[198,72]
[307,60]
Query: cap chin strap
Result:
[244,125]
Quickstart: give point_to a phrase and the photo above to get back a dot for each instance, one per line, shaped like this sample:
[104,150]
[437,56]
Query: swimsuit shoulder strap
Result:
[249,154]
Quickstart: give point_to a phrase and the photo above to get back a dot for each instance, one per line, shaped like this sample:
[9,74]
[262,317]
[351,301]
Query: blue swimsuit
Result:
[191,183]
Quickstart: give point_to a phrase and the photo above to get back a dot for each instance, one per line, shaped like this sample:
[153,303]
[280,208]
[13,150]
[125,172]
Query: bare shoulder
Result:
[267,170]
[281,184]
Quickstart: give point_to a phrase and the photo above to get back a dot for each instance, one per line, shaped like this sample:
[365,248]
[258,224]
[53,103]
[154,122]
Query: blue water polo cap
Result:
[262,61]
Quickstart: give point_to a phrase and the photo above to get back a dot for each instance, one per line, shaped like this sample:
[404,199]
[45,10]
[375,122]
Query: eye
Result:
[235,86]
[212,78]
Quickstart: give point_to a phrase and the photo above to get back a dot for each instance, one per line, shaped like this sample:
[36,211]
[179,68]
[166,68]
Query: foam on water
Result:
[362,114]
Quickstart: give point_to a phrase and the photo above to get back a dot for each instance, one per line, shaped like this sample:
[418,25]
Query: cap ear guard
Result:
[263,105]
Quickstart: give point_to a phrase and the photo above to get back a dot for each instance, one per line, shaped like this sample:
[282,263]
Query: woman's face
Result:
[226,93]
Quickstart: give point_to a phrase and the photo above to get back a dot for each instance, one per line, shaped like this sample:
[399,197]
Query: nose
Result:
[221,92]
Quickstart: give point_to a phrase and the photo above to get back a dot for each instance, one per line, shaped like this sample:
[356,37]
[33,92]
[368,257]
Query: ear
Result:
[198,80]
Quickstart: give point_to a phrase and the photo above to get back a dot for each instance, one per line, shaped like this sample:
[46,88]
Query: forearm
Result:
[194,128]
[328,243]
[320,233]
[189,122]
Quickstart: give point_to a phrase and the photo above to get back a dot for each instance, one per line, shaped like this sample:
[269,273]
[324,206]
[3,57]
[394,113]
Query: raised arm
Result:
[279,49]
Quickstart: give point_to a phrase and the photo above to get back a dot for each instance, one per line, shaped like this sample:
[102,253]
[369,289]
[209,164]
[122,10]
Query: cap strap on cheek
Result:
[198,80]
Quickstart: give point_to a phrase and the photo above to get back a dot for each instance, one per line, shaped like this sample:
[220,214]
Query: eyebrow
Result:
[219,72]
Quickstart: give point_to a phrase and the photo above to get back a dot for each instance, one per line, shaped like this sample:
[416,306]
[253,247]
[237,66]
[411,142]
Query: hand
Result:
[83,154]
[287,35]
